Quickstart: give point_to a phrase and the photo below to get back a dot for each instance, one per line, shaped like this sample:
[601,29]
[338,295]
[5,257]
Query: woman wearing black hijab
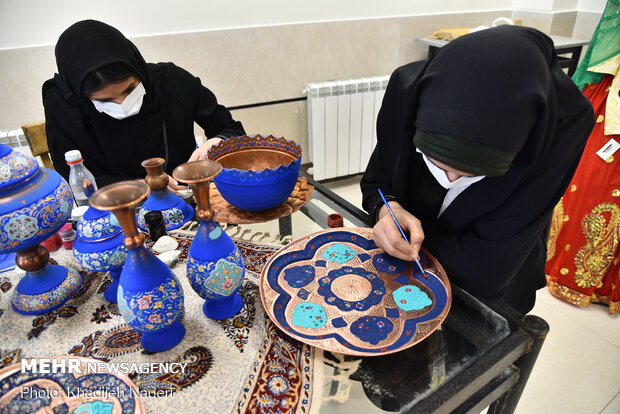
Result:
[475,148]
[118,110]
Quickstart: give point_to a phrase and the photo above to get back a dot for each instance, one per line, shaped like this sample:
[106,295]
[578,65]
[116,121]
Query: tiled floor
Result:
[578,369]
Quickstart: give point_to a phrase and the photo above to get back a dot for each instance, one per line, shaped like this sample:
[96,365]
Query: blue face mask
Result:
[131,104]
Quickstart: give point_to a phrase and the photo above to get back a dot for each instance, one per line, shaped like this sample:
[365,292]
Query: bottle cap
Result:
[73,157]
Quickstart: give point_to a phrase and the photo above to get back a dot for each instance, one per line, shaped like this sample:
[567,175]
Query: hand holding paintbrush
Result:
[399,228]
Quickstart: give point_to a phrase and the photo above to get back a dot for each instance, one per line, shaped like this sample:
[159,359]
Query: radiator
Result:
[342,118]
[15,139]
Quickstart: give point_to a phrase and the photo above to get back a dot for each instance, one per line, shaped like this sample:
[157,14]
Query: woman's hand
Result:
[174,186]
[201,152]
[386,234]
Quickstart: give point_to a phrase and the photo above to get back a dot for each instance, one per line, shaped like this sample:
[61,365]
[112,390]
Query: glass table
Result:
[481,355]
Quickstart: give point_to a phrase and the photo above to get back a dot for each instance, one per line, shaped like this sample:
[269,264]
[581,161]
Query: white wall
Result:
[46,19]
[596,6]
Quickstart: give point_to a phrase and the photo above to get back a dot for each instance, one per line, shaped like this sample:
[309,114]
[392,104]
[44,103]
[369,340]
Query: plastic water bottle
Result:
[77,175]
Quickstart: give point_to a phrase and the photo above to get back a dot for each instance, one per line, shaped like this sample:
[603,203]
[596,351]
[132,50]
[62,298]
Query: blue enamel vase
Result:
[150,297]
[214,264]
[36,203]
[175,210]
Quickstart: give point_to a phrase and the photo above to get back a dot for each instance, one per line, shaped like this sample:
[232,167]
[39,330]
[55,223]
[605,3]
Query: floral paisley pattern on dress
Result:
[601,229]
[556,226]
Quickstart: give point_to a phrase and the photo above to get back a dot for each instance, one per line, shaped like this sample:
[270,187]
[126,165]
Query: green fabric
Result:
[463,154]
[604,45]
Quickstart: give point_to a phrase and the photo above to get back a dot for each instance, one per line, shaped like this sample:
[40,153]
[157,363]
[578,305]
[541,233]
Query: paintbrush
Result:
[398,225]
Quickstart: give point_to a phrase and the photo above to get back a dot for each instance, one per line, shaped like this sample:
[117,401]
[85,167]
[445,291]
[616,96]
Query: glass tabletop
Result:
[400,381]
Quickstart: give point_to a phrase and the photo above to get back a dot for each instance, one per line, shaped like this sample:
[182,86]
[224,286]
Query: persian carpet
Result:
[243,364]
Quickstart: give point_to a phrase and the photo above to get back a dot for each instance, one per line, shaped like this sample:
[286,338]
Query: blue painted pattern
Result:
[299,276]
[372,329]
[374,297]
[154,309]
[385,263]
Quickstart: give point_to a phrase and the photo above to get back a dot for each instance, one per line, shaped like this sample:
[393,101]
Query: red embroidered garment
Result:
[583,256]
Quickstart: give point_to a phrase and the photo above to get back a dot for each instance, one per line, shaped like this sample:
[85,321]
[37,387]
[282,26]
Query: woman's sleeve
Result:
[215,119]
[380,169]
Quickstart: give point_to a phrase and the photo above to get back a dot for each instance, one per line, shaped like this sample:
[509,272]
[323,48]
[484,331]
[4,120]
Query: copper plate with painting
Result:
[338,291]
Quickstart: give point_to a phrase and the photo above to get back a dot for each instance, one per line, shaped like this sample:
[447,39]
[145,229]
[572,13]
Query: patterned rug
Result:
[243,364]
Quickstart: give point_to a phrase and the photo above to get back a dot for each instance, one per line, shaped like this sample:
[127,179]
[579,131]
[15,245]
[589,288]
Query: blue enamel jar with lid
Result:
[98,246]
[36,203]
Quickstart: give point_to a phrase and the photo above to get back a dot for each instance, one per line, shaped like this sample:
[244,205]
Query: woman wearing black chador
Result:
[118,110]
[475,148]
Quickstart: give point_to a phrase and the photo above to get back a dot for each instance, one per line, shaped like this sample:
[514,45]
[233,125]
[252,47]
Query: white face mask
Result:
[131,104]
[442,178]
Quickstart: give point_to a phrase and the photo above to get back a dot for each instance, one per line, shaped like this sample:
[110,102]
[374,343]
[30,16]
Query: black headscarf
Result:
[503,89]
[113,149]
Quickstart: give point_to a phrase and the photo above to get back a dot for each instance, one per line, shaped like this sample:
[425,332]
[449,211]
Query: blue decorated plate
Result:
[338,291]
[84,387]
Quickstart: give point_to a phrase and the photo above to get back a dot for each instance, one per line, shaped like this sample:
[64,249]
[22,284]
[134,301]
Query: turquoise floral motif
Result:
[209,280]
[95,407]
[127,314]
[97,229]
[339,253]
[152,310]
[49,299]
[309,315]
[410,298]
[215,233]
[225,278]
[45,214]
[102,261]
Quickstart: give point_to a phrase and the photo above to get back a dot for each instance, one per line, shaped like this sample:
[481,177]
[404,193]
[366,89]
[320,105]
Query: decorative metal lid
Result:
[15,167]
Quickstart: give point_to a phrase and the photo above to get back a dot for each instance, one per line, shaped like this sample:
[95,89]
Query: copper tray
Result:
[89,390]
[338,291]
[225,213]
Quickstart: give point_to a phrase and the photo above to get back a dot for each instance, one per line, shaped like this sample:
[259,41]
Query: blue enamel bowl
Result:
[259,173]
